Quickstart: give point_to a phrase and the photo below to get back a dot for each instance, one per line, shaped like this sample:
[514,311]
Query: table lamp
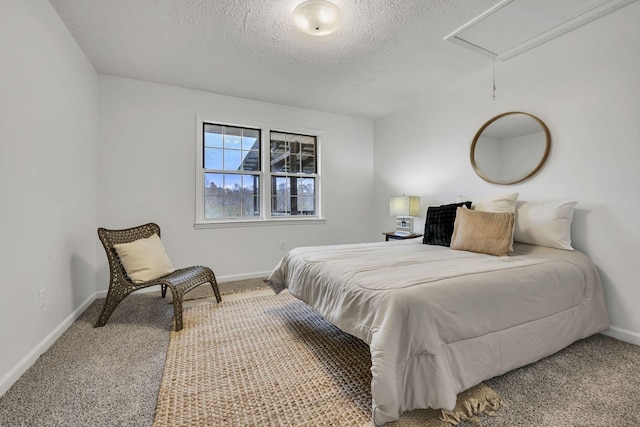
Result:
[404,208]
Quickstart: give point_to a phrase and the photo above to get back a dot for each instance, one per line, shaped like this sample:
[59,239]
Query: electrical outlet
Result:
[42,294]
[282,245]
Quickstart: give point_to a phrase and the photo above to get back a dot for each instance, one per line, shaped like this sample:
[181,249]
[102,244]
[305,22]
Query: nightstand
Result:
[390,235]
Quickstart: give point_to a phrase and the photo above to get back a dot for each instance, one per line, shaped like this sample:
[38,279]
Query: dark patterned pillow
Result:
[439,225]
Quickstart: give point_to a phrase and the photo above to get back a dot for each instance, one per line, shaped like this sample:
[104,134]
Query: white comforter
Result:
[439,321]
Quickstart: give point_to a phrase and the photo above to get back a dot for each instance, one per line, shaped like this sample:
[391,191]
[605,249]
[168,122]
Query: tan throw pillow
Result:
[483,232]
[144,259]
[498,203]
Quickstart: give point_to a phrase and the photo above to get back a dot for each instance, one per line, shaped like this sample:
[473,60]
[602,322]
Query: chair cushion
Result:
[144,259]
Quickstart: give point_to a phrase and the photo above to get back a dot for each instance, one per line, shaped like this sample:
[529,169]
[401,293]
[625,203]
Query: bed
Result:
[438,320]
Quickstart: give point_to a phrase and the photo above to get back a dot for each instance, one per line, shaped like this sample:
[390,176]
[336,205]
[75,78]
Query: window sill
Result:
[259,223]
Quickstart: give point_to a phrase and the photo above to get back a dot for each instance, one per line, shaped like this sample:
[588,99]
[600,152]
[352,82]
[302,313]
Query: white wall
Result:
[146,172]
[48,143]
[584,85]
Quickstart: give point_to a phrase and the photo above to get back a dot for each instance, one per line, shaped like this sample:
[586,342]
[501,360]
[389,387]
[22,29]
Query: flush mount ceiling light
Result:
[317,17]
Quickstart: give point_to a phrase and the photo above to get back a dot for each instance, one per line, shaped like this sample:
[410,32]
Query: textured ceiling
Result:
[387,51]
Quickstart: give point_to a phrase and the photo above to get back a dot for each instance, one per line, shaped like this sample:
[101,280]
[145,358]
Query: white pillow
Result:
[545,223]
[498,203]
[144,259]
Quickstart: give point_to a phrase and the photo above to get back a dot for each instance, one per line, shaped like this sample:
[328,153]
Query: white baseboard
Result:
[623,335]
[16,372]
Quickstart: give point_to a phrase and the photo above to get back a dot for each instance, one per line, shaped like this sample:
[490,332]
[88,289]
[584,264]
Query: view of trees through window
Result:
[232,173]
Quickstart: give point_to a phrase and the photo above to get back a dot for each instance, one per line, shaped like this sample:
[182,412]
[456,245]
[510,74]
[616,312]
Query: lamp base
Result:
[404,226]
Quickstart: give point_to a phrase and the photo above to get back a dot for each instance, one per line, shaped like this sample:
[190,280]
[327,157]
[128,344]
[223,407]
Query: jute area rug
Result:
[272,361]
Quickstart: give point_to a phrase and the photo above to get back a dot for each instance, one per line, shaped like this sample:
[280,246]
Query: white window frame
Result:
[265,217]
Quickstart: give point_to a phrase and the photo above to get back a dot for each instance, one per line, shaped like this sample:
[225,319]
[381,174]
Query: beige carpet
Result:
[272,361]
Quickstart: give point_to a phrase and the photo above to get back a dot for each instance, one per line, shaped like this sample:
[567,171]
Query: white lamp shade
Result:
[404,206]
[317,17]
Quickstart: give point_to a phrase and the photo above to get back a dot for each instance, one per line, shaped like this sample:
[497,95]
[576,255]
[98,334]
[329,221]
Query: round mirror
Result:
[510,148]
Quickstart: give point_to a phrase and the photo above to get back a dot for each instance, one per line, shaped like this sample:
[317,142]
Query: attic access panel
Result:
[514,26]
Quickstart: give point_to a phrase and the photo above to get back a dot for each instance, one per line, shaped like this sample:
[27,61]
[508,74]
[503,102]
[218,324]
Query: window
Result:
[255,175]
[231,172]
[293,174]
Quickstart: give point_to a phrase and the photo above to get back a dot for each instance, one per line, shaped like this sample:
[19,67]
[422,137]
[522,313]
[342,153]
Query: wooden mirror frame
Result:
[527,175]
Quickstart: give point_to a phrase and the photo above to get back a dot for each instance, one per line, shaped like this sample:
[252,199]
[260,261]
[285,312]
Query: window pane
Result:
[232,160]
[232,206]
[278,137]
[232,183]
[308,164]
[307,139]
[308,149]
[281,196]
[281,186]
[279,156]
[213,184]
[212,128]
[280,206]
[280,165]
[306,196]
[251,160]
[277,147]
[251,139]
[306,205]
[292,153]
[250,184]
[306,186]
[213,207]
[293,196]
[212,135]
[213,140]
[231,195]
[249,207]
[250,195]
[232,188]
[213,158]
[308,158]
[233,137]
[294,163]
[294,147]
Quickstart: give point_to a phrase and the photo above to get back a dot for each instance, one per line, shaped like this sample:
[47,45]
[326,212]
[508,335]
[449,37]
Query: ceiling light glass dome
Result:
[317,17]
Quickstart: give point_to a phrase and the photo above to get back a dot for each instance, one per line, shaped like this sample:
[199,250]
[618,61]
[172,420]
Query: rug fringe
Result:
[471,408]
